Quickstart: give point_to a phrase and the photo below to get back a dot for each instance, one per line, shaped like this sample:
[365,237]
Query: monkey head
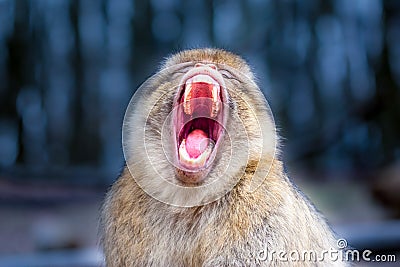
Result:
[194,129]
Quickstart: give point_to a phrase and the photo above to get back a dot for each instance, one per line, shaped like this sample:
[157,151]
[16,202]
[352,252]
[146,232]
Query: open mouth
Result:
[199,118]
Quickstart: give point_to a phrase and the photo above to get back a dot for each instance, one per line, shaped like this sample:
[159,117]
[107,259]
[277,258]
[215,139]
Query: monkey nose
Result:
[208,65]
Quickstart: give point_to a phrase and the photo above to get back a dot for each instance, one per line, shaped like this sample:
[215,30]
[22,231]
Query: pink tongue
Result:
[196,143]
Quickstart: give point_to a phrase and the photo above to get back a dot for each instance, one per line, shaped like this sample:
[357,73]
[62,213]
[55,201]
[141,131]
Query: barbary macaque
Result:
[204,183]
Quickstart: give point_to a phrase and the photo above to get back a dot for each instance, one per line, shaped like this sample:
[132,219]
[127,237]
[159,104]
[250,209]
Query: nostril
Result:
[208,65]
[212,66]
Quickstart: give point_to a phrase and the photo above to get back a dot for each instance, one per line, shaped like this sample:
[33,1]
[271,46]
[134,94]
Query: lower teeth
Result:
[200,160]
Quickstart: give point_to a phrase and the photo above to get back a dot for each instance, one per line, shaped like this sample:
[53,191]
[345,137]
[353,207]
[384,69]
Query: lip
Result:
[216,122]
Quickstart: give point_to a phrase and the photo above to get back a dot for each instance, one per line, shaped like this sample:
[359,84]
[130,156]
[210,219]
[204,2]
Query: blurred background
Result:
[68,68]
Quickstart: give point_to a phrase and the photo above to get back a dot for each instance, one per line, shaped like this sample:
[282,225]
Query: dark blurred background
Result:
[68,68]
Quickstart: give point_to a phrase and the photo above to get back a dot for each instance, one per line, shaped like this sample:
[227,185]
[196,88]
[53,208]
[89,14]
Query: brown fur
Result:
[138,230]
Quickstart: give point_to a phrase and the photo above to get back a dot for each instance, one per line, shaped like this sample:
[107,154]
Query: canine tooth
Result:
[216,102]
[186,98]
[188,88]
[215,92]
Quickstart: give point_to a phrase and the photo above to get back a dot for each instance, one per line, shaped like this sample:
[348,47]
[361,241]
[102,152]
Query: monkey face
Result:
[193,130]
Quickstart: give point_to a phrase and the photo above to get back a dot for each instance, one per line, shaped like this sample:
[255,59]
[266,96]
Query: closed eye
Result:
[180,72]
[226,74]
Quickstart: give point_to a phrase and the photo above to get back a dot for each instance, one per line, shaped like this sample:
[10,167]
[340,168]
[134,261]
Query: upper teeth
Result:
[188,93]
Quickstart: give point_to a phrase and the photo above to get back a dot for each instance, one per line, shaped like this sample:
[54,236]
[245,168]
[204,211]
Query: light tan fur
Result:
[138,230]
